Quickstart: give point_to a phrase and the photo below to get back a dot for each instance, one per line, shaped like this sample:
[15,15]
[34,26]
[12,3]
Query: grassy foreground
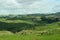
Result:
[10,36]
[29,37]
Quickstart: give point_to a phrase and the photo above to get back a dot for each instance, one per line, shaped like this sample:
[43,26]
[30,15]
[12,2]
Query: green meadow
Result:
[30,27]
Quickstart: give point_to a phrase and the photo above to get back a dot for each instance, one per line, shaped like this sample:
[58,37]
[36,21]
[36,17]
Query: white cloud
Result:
[45,6]
[29,6]
[9,4]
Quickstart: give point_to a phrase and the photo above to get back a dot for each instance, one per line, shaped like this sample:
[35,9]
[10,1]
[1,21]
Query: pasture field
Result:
[29,37]
[53,29]
[30,27]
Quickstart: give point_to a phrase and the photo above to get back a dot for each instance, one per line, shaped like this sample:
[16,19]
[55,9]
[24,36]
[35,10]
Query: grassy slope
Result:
[16,21]
[30,37]
[54,27]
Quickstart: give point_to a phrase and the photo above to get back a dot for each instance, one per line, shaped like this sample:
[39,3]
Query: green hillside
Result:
[30,27]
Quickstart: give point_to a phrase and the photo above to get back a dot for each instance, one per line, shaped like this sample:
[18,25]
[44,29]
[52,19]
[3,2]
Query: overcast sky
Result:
[29,6]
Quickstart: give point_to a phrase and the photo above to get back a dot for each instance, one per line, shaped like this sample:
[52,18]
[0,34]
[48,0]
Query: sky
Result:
[29,6]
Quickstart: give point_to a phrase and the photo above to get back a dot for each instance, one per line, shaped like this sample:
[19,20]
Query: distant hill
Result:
[38,14]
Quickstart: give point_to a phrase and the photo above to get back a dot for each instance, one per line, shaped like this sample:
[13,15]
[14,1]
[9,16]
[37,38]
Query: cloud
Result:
[45,6]
[29,6]
[9,4]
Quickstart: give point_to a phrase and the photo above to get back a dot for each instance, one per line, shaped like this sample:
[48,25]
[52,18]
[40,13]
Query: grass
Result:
[16,21]
[30,37]
[6,35]
[54,27]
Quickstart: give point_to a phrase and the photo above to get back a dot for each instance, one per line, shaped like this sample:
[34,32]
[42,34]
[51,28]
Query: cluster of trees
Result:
[50,19]
[15,27]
